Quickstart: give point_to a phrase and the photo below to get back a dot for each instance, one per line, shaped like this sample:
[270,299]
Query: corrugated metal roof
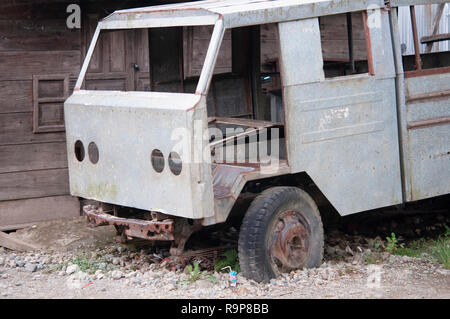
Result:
[234,13]
[424,16]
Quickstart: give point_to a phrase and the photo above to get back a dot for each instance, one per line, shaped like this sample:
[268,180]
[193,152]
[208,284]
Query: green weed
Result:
[229,258]
[437,249]
[392,244]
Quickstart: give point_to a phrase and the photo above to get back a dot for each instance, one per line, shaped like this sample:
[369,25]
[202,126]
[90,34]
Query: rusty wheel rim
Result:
[289,242]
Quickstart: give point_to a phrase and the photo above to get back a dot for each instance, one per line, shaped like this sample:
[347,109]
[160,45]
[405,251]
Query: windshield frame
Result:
[208,65]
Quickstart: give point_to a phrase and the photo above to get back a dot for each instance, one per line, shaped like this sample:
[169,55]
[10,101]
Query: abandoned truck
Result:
[289,103]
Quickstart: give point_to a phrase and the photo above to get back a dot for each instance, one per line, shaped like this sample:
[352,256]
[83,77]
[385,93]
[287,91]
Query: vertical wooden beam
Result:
[350,42]
[260,112]
[130,60]
[166,57]
[368,44]
[435,25]
[181,57]
[188,54]
[240,50]
[418,60]
[242,64]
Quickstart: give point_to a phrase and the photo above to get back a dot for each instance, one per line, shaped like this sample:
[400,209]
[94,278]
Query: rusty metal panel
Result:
[428,136]
[126,127]
[228,183]
[146,229]
[343,131]
[225,177]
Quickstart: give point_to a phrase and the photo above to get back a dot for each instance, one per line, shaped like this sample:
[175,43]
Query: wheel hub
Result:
[289,241]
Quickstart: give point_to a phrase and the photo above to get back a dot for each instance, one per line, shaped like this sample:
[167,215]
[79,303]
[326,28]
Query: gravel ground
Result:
[94,267]
[396,277]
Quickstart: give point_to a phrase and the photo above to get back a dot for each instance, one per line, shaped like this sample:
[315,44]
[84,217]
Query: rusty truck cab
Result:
[292,102]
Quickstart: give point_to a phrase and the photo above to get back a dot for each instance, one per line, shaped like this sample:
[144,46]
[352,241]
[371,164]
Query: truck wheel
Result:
[281,231]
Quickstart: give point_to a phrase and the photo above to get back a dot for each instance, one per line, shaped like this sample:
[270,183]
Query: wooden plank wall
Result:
[333,32]
[39,62]
[334,38]
[33,166]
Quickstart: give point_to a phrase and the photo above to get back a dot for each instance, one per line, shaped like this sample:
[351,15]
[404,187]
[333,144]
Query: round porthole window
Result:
[175,163]
[79,150]
[93,153]
[157,159]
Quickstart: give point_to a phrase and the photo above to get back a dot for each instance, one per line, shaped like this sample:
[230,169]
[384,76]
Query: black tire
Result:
[280,215]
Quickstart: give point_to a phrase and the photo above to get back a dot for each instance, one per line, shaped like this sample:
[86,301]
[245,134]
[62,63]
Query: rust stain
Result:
[427,96]
[416,73]
[145,229]
[429,122]
[368,44]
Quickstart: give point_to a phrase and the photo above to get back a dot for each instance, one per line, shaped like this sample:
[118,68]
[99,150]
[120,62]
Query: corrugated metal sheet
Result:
[425,16]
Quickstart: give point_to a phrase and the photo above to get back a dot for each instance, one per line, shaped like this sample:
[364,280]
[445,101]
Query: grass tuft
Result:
[438,249]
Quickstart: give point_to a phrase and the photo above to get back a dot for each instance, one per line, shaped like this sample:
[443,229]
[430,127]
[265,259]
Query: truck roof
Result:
[237,13]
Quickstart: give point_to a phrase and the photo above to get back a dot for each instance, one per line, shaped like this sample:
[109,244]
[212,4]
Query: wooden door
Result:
[119,61]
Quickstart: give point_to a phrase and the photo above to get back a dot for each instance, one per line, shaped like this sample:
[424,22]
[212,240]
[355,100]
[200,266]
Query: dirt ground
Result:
[399,279]
[76,261]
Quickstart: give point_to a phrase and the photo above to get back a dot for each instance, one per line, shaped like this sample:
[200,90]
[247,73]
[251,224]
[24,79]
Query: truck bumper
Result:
[145,229]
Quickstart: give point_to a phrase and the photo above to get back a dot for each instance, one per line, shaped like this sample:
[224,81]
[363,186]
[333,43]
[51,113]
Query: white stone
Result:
[116,274]
[72,269]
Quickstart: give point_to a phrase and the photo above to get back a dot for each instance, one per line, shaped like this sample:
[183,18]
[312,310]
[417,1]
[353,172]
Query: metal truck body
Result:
[368,140]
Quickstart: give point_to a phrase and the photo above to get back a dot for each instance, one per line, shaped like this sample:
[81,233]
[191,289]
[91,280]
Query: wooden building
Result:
[40,58]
